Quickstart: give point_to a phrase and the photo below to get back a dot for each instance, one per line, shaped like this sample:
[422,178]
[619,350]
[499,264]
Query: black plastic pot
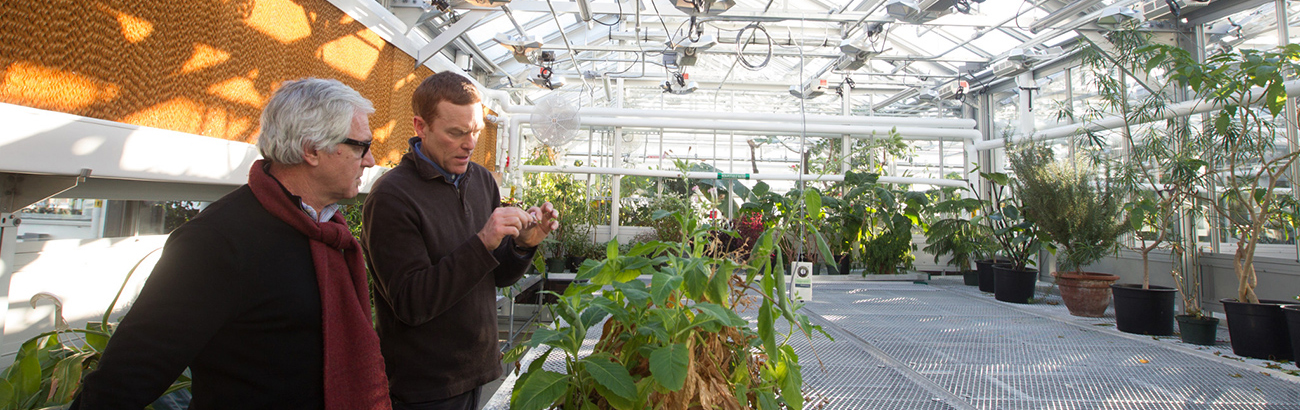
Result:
[984,268]
[1258,330]
[1144,311]
[555,265]
[1292,314]
[845,263]
[1199,331]
[1014,286]
[970,278]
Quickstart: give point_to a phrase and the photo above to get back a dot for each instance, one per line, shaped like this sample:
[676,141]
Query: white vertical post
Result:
[8,241]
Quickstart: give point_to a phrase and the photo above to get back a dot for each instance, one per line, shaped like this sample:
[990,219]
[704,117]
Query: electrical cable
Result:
[740,46]
[661,19]
[617,19]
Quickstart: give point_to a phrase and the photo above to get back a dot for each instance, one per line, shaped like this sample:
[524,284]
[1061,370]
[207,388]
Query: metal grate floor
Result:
[944,346]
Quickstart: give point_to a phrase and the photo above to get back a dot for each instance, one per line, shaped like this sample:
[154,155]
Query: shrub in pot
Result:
[1078,211]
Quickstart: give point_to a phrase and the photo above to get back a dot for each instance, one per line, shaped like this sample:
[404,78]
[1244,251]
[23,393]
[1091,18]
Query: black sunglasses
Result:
[365,145]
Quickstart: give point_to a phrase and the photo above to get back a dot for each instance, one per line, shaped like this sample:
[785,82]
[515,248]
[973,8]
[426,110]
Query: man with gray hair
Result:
[263,295]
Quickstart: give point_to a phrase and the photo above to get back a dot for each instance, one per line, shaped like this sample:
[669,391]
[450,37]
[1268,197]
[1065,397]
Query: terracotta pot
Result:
[1086,294]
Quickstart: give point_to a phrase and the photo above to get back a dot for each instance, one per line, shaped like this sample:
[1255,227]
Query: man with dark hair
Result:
[439,243]
[263,295]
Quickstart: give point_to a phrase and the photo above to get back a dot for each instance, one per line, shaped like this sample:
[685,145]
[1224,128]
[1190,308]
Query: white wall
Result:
[84,273]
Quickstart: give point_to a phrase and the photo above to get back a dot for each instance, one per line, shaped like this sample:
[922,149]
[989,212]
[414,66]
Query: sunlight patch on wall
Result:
[204,56]
[189,116]
[402,82]
[239,90]
[33,85]
[177,114]
[355,54]
[282,20]
[134,29]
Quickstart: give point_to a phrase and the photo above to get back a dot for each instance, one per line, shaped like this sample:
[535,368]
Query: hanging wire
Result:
[617,19]
[661,18]
[753,29]
[572,55]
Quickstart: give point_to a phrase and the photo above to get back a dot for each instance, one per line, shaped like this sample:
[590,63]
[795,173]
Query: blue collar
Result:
[453,178]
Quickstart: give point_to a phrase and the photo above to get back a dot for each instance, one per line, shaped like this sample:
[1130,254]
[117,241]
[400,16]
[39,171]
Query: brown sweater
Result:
[434,281]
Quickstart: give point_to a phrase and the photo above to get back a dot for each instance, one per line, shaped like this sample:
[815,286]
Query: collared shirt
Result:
[419,151]
[324,215]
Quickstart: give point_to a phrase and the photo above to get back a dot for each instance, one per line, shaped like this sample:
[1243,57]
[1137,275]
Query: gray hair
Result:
[308,111]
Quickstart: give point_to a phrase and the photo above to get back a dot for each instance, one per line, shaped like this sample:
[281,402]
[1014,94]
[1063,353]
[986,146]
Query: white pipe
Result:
[567,169]
[1177,110]
[858,131]
[959,123]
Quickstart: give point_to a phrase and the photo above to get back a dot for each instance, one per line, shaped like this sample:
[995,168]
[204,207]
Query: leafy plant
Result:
[1078,211]
[963,238]
[1017,238]
[1249,87]
[1165,165]
[675,343]
[47,371]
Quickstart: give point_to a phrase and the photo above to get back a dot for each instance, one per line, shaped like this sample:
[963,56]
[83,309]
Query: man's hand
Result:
[505,221]
[545,218]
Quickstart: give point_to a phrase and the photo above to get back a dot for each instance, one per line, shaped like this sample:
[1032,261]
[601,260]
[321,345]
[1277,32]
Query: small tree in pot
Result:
[1018,240]
[1161,173]
[1080,213]
[1247,164]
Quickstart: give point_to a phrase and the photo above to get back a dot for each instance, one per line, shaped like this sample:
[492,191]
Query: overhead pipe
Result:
[1062,13]
[955,123]
[858,131]
[1177,110]
[568,169]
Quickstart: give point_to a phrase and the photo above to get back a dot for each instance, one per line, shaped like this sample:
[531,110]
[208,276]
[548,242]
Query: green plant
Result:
[962,238]
[675,343]
[47,371]
[1165,163]
[1017,239]
[1248,86]
[1078,211]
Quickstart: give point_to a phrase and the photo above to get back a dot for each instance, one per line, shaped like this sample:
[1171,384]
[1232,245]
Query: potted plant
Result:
[675,343]
[1078,211]
[1292,313]
[1248,86]
[889,220]
[1018,241]
[1161,173]
[47,369]
[961,238]
[846,221]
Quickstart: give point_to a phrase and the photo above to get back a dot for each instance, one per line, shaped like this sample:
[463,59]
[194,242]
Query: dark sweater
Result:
[233,297]
[434,281]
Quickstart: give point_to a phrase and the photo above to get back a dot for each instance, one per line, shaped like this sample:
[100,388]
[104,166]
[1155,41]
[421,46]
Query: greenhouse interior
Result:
[821,204]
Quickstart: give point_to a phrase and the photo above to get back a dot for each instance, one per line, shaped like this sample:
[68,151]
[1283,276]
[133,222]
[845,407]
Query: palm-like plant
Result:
[962,238]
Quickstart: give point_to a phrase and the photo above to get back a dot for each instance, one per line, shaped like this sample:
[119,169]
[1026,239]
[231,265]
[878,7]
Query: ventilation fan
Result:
[555,120]
[628,142]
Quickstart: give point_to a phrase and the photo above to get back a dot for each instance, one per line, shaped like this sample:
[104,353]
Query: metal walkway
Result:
[949,346]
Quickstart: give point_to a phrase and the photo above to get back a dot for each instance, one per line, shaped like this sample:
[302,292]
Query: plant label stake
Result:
[801,281]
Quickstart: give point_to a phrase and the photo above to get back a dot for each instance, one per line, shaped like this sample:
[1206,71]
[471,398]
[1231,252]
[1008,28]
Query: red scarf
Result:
[354,368]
